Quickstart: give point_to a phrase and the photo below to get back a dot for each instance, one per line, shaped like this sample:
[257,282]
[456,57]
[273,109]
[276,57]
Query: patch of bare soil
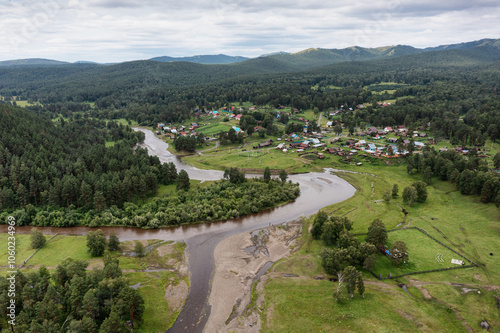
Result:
[176,295]
[165,249]
[95,264]
[237,261]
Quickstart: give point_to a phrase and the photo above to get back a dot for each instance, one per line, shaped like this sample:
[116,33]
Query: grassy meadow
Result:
[304,304]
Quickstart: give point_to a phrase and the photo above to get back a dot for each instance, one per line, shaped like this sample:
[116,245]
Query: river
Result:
[317,191]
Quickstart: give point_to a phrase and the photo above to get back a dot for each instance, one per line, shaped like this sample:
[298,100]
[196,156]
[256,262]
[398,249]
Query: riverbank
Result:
[238,261]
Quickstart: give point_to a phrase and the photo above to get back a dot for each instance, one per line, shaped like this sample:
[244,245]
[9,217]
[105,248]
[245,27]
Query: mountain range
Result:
[305,59]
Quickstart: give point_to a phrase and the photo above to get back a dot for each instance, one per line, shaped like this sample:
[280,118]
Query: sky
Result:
[122,30]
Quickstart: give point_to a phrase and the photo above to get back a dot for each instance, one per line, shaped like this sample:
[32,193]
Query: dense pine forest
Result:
[74,299]
[60,173]
[456,91]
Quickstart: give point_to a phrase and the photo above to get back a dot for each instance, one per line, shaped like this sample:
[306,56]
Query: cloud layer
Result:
[120,30]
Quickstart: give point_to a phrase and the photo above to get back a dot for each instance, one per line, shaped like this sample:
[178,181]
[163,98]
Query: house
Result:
[237,129]
[350,142]
[406,142]
[281,146]
[422,135]
[388,129]
[372,147]
[265,144]
[393,140]
[161,125]
[238,117]
[333,150]
[329,124]
[304,145]
[371,130]
[419,145]
[360,143]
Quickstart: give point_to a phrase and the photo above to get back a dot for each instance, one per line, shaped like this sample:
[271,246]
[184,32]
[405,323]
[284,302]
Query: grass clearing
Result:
[60,248]
[23,248]
[422,252]
[463,223]
[272,158]
[307,305]
[214,128]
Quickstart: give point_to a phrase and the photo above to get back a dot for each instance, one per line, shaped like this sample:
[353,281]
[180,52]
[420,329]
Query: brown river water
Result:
[317,191]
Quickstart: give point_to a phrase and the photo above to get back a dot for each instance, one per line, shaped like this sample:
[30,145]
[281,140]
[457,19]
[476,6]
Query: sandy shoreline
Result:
[235,272]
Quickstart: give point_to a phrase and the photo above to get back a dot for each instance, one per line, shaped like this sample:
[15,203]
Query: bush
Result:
[37,239]
[96,243]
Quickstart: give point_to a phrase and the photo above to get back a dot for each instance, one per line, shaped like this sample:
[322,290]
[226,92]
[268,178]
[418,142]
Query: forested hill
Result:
[203,59]
[135,81]
[67,163]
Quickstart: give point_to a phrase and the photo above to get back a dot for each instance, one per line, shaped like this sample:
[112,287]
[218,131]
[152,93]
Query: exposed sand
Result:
[176,295]
[235,271]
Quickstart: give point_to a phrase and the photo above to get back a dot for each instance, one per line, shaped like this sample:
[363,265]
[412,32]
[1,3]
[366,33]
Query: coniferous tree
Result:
[183,180]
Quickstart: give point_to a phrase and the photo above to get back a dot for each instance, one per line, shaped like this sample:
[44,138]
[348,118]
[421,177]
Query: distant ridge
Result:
[32,62]
[467,45]
[287,62]
[203,59]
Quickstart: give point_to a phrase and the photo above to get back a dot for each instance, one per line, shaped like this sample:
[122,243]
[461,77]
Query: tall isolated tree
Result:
[96,243]
[183,180]
[377,233]
[113,242]
[421,189]
[37,239]
[350,276]
[267,174]
[283,176]
[395,191]
[139,249]
[318,223]
[409,195]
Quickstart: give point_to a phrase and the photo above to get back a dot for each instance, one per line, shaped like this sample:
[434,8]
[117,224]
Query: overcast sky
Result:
[121,30]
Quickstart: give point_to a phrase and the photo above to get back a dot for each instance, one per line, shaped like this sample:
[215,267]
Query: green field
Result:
[272,158]
[306,305]
[215,128]
[422,252]
[463,223]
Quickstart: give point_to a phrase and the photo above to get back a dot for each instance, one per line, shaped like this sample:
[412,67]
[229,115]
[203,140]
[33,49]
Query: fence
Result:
[472,264]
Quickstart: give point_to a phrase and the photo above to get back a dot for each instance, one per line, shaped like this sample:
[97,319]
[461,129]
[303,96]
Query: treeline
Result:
[72,299]
[225,199]
[460,103]
[66,164]
[470,174]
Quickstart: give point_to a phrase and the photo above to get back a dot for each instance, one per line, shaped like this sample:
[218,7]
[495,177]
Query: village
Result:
[330,136]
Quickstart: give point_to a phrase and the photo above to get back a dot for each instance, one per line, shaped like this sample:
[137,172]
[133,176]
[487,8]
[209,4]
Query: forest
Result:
[455,91]
[60,173]
[74,299]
